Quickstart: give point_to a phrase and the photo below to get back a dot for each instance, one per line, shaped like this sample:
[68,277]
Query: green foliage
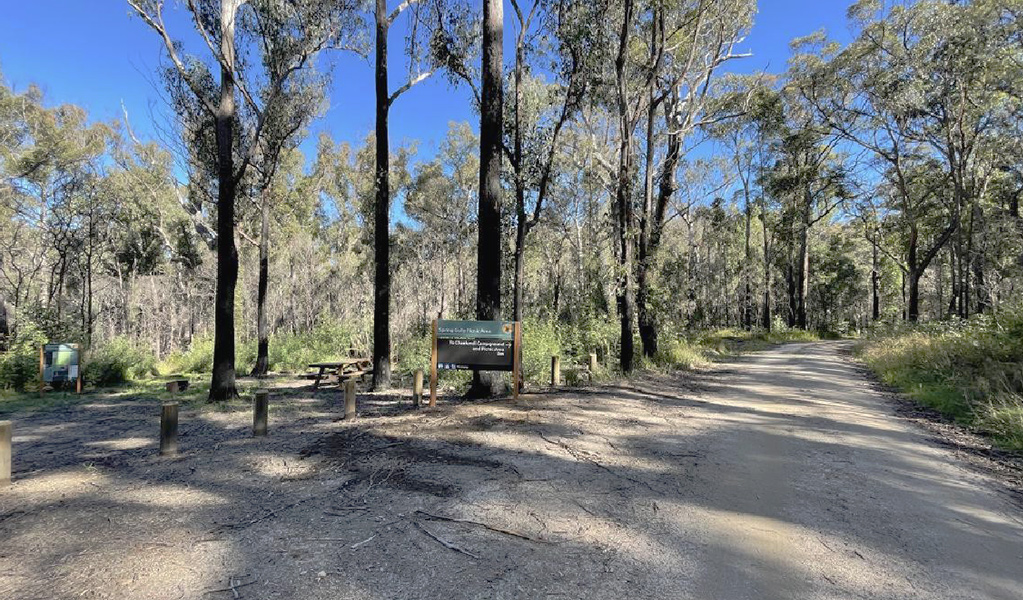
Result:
[118,361]
[289,353]
[541,341]
[197,358]
[970,370]
[20,364]
[680,353]
[413,354]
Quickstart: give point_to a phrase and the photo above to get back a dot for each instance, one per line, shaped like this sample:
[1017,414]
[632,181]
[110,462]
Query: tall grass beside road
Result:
[970,370]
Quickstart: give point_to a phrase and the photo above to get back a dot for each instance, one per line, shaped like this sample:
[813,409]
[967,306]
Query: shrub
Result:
[541,341]
[970,370]
[679,353]
[19,366]
[118,361]
[197,358]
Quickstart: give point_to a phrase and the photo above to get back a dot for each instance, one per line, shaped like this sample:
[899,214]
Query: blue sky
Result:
[90,53]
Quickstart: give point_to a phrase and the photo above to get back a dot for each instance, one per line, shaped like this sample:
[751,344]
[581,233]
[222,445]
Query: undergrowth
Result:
[970,370]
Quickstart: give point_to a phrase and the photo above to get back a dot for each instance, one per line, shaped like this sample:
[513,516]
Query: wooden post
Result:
[555,371]
[169,429]
[433,368]
[593,362]
[516,360]
[417,389]
[350,399]
[6,433]
[260,408]
[81,367]
[42,369]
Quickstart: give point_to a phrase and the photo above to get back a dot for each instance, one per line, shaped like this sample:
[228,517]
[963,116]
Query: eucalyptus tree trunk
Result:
[647,328]
[262,366]
[875,283]
[222,383]
[803,268]
[766,313]
[488,249]
[381,213]
[747,269]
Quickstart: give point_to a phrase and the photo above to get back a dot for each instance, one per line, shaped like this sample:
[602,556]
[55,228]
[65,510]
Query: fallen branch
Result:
[521,536]
[445,543]
[335,514]
[233,587]
[272,513]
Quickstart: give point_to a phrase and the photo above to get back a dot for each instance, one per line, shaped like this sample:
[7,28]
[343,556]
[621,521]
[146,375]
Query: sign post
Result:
[476,345]
[60,363]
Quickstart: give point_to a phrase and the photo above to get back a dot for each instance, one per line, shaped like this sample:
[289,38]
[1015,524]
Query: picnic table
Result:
[343,369]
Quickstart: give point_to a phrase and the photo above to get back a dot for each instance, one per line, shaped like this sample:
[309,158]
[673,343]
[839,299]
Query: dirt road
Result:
[778,475]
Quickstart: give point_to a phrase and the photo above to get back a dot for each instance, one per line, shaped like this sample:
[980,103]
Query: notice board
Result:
[476,345]
[482,345]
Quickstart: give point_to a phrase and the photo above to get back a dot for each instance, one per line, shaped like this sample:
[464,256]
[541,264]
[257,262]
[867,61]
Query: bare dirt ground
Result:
[783,474]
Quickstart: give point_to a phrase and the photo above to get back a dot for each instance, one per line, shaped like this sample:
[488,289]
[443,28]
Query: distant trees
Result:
[287,37]
[649,193]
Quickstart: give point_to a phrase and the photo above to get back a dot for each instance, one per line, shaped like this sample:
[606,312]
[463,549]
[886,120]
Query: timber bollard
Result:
[350,399]
[593,362]
[260,407]
[417,389]
[169,429]
[555,371]
[6,433]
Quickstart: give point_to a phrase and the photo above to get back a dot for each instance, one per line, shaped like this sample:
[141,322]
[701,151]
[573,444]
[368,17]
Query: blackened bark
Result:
[875,283]
[262,366]
[488,249]
[623,201]
[5,328]
[222,382]
[647,328]
[381,214]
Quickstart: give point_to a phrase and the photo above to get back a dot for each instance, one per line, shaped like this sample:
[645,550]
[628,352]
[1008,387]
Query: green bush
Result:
[540,341]
[118,361]
[19,366]
[197,358]
[680,353]
[289,353]
[413,354]
[970,370]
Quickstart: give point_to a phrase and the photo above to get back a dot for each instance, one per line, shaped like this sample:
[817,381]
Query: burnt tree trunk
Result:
[262,366]
[381,214]
[488,248]
[875,283]
[623,201]
[222,382]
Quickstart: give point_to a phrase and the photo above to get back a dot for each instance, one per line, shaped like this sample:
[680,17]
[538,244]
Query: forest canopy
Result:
[630,191]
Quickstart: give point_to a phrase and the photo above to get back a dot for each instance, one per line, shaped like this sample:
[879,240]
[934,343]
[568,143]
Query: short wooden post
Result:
[169,429]
[593,362]
[350,399]
[6,433]
[417,389]
[260,407]
[555,371]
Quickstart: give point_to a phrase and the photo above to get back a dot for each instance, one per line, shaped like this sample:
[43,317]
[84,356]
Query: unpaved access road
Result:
[782,474]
